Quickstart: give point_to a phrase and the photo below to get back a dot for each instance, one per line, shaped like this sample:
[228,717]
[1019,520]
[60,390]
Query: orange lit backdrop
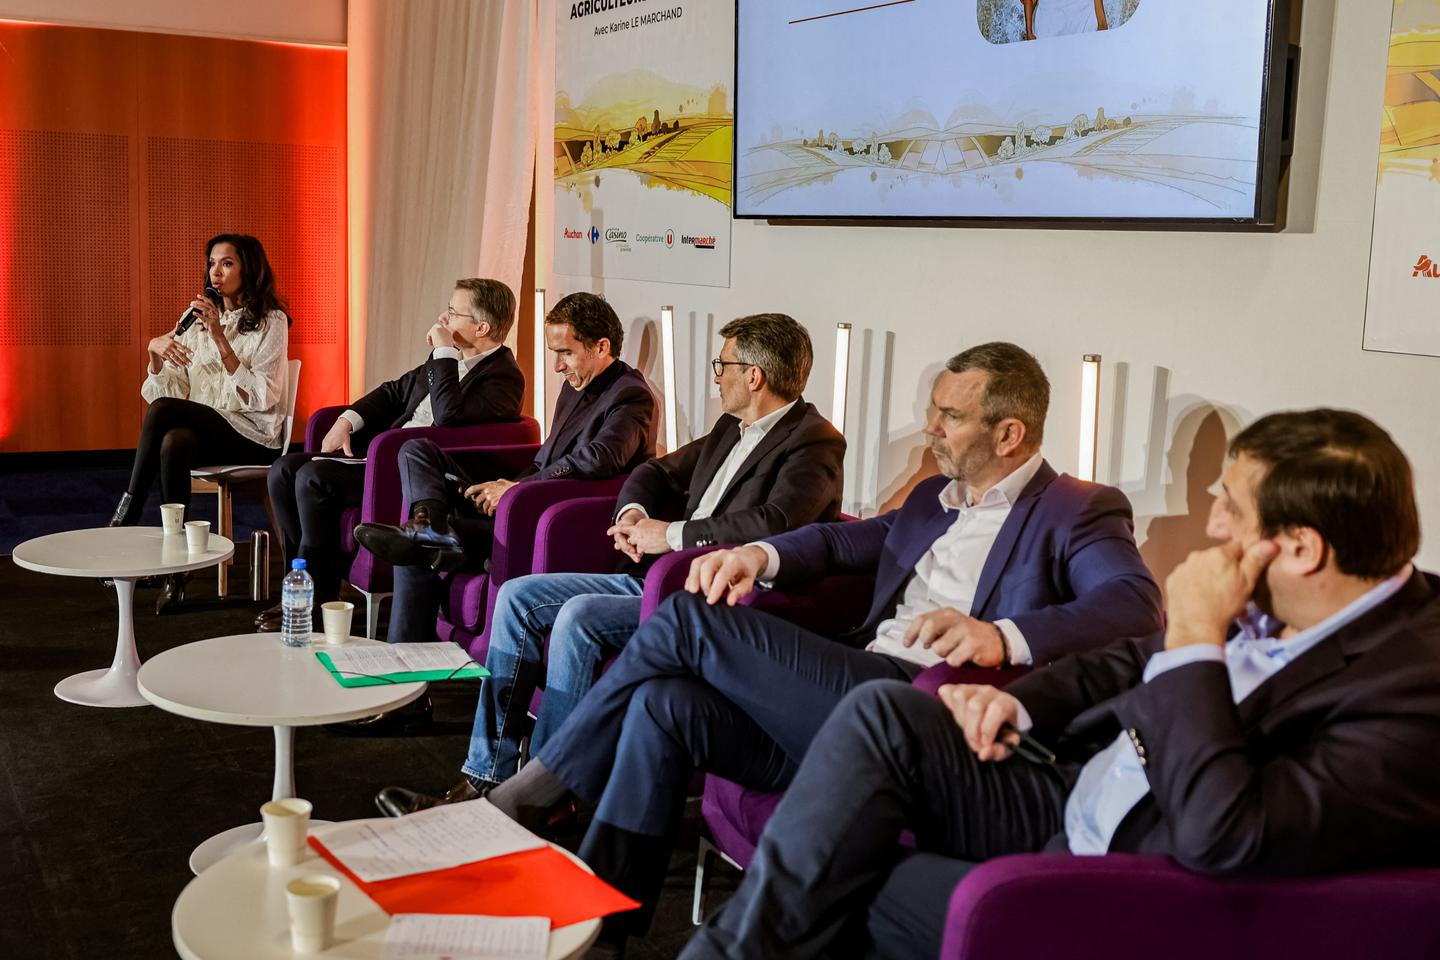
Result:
[121,153]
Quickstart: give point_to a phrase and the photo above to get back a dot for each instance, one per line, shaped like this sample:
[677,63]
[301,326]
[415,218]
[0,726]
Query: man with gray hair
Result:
[771,463]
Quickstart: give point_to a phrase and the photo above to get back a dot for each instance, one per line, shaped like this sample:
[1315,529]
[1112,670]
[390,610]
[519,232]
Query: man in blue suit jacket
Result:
[604,426]
[1000,560]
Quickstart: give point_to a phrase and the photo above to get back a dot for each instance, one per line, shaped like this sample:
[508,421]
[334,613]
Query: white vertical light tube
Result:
[667,364]
[541,369]
[842,376]
[1089,413]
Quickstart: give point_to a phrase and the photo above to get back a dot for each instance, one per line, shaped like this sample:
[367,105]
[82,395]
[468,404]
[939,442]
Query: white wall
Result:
[295,21]
[1244,324]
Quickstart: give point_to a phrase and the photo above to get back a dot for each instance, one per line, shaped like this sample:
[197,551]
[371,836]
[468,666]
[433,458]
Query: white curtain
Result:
[442,117]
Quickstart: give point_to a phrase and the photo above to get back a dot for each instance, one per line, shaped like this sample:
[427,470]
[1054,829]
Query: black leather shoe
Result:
[397,801]
[413,717]
[270,619]
[412,544]
[172,593]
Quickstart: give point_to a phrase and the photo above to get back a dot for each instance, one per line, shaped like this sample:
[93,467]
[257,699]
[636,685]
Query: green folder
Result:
[472,672]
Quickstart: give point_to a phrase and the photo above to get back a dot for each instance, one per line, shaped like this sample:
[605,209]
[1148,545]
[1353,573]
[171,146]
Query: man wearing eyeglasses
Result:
[770,464]
[469,377]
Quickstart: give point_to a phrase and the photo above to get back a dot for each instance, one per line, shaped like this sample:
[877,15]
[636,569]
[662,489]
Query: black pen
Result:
[1028,747]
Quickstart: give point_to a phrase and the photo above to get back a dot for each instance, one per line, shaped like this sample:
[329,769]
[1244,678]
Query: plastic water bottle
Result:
[297,602]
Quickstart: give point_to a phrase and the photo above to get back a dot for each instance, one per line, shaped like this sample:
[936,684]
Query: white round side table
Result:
[252,680]
[236,911]
[122,554]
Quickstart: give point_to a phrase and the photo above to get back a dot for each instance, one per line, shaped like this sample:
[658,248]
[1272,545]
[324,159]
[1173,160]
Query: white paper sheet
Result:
[424,936]
[434,839]
[356,659]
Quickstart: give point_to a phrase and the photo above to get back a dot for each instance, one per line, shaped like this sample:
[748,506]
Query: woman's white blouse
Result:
[261,375]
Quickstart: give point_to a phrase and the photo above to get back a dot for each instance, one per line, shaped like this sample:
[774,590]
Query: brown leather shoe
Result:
[397,801]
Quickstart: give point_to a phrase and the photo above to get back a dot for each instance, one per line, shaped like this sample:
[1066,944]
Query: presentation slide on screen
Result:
[999,108]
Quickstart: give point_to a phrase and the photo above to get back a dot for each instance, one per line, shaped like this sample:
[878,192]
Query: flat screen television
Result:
[1131,111]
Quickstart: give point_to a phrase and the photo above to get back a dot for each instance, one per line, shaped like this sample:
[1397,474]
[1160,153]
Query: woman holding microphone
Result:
[215,384]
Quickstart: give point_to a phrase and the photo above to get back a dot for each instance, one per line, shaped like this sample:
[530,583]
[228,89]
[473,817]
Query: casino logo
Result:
[699,243]
[615,236]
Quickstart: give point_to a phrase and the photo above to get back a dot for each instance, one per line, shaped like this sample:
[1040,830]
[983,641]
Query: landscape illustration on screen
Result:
[999,108]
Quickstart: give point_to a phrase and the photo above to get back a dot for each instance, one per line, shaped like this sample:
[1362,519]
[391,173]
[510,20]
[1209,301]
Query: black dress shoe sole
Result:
[392,546]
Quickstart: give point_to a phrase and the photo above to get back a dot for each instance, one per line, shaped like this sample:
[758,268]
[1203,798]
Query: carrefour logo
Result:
[594,234]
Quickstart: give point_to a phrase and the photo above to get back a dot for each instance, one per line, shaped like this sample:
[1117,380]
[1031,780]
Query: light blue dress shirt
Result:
[1113,781]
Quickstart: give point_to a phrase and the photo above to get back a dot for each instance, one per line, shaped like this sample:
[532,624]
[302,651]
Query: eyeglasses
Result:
[719,365]
[454,315]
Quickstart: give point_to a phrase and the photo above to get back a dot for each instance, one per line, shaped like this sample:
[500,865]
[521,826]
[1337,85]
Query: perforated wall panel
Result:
[70,264]
[284,194]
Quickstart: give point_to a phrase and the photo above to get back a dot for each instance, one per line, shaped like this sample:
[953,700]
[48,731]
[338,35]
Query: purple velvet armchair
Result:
[382,501]
[533,534]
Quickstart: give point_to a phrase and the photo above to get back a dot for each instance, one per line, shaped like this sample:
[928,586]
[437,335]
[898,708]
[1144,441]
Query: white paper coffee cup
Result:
[287,823]
[311,901]
[197,535]
[336,616]
[172,517]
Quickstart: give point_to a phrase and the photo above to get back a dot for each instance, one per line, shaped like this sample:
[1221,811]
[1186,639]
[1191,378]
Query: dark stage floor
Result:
[99,809]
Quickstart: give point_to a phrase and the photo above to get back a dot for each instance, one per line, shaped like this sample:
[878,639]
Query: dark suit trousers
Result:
[829,873]
[731,690]
[419,591]
[310,497]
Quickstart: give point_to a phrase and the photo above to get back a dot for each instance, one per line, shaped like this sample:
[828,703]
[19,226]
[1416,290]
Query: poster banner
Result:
[1402,308]
[644,121]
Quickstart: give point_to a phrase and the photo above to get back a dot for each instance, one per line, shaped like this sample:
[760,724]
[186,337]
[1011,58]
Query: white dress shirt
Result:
[949,572]
[750,437]
[424,415]
[259,415]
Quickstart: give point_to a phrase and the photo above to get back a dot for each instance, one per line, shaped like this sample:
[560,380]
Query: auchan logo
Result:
[1425,267]
[574,234]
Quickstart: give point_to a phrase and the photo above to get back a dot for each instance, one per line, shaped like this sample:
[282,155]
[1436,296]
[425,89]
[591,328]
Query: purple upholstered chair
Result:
[1126,907]
[525,528]
[383,502]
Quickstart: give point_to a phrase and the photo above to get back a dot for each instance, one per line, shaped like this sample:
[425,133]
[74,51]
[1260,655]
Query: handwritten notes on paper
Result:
[434,839]
[424,936]
[363,660]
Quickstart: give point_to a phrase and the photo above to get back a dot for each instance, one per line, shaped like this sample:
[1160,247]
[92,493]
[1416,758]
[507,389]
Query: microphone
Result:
[192,314]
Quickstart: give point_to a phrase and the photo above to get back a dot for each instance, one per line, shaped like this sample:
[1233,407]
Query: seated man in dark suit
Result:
[770,464]
[1284,723]
[604,425]
[470,377]
[997,560]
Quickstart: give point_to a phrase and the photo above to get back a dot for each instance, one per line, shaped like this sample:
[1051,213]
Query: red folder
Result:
[532,883]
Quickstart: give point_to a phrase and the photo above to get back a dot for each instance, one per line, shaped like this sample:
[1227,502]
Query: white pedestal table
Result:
[252,680]
[236,911]
[122,554]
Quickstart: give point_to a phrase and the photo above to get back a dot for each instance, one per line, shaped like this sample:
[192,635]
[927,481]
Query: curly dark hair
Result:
[257,281]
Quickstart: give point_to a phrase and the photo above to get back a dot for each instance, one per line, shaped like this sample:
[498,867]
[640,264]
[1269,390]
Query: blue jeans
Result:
[587,617]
